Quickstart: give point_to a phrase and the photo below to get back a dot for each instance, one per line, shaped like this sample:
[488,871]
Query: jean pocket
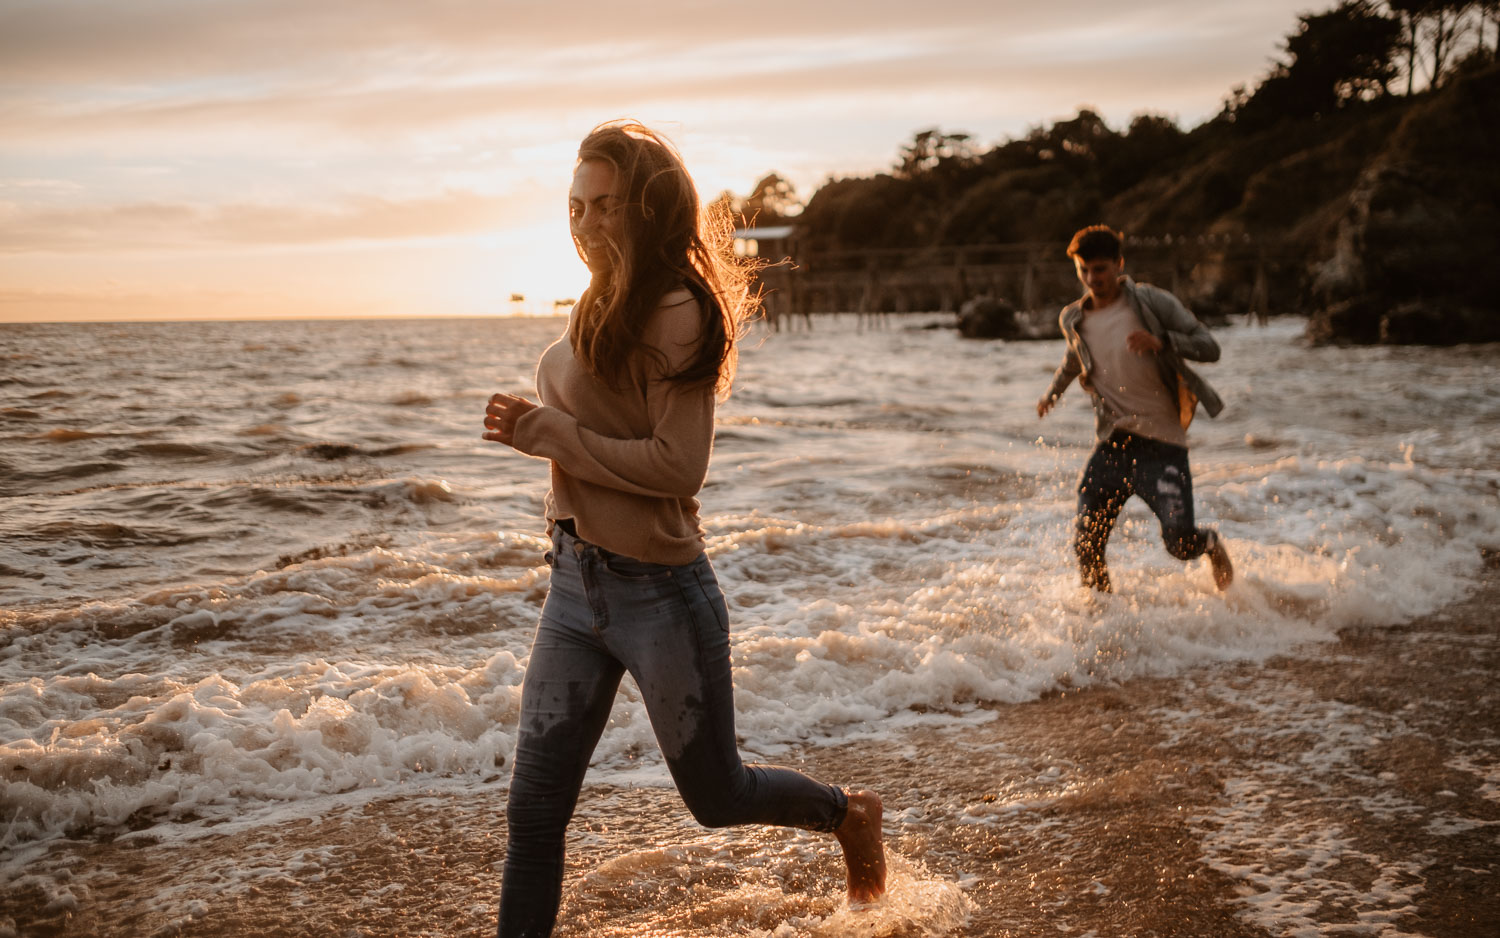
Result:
[628,568]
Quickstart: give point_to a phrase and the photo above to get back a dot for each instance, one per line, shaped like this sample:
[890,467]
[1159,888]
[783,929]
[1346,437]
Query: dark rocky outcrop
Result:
[1414,252]
[985,317]
[1385,219]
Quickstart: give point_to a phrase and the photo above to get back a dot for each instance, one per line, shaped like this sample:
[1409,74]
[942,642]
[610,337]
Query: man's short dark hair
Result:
[1097,242]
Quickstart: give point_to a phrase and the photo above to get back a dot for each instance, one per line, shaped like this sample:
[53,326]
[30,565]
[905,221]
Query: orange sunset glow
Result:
[174,159]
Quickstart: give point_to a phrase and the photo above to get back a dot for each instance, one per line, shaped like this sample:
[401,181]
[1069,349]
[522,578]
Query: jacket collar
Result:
[1073,315]
[1127,288]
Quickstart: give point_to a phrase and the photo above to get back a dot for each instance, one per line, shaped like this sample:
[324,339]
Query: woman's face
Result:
[593,211]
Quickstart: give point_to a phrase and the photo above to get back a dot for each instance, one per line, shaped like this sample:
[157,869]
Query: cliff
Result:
[1378,219]
[1411,257]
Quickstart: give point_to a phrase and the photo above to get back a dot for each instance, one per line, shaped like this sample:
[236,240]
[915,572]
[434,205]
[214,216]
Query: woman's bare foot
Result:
[864,853]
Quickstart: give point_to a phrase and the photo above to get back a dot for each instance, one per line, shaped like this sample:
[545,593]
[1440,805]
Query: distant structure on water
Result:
[1219,276]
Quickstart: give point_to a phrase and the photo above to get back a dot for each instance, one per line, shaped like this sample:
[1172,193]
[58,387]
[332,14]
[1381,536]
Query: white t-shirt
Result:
[1130,384]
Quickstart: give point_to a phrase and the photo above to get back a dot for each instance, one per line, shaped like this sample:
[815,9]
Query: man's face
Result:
[1101,276]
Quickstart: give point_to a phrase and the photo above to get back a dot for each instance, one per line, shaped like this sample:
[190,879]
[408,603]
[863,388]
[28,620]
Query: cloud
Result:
[100,40]
[177,226]
[609,89]
[69,41]
[129,48]
[40,185]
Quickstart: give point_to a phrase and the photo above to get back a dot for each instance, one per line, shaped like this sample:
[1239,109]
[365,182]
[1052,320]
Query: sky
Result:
[261,159]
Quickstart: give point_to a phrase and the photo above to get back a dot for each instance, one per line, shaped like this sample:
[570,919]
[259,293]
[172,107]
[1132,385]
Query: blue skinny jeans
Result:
[668,626]
[1126,465]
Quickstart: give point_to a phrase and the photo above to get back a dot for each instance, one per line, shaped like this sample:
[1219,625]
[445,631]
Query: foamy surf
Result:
[777,886]
[839,628]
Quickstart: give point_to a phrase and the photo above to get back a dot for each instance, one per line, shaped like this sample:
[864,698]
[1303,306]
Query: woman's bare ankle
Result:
[864,851]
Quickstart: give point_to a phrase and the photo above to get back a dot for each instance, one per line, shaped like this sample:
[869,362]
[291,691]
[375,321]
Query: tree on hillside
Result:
[1445,27]
[1037,203]
[1333,59]
[878,212]
[1489,10]
[1125,159]
[1348,52]
[930,150]
[1431,29]
[772,200]
[1076,140]
[1405,12]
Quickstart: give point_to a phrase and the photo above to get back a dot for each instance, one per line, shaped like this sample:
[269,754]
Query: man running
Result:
[1126,345]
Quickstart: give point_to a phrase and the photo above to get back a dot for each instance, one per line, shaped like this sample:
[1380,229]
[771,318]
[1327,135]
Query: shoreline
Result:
[1348,787]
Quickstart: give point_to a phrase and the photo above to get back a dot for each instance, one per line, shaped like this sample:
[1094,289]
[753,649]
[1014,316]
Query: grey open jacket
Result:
[1182,337]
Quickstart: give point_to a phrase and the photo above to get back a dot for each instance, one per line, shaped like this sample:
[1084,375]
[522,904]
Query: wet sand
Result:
[1350,788]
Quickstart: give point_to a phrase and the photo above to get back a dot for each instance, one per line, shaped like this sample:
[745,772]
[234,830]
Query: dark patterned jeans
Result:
[606,614]
[1126,465]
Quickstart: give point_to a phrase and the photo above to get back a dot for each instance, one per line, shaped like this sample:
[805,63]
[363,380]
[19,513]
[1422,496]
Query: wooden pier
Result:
[1217,276]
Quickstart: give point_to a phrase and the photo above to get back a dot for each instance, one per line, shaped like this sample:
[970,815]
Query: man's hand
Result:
[1044,405]
[1142,342]
[501,414]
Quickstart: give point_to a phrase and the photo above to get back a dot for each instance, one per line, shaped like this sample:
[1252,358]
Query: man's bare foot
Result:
[1218,558]
[864,853]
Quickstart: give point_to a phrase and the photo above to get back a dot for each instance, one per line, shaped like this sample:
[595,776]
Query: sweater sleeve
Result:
[1186,336]
[1071,367]
[672,461]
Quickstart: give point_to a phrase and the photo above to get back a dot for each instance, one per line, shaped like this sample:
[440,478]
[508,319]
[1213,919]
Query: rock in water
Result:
[985,317]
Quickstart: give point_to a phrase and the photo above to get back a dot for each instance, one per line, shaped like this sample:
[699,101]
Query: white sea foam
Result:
[735,890]
[893,541]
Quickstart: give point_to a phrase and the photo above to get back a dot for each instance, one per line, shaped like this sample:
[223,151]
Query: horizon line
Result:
[268,319]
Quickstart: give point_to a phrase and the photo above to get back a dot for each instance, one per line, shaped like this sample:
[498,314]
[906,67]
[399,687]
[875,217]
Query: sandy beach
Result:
[1351,788]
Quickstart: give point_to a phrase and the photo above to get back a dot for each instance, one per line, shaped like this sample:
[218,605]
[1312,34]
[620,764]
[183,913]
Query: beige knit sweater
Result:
[627,461]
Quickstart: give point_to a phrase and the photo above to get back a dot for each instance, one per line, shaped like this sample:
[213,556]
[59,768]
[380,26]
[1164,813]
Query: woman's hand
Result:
[501,414]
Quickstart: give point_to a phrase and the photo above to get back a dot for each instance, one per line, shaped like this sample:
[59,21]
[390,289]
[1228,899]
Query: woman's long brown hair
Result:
[662,240]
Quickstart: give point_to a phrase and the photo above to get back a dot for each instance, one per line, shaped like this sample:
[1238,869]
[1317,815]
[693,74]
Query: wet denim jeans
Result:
[669,627]
[1126,465]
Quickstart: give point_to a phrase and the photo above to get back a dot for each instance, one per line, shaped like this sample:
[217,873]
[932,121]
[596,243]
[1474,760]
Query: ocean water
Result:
[249,567]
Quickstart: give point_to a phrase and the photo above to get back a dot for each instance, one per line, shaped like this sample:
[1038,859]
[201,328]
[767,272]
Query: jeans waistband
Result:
[564,530]
[1124,438]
